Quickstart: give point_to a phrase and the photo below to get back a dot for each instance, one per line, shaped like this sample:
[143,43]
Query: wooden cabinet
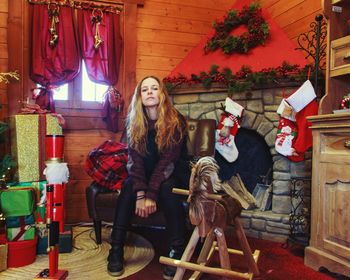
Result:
[330,213]
[330,206]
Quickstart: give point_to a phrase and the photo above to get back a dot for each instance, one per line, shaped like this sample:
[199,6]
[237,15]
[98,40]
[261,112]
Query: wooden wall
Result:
[169,29]
[3,56]
[166,32]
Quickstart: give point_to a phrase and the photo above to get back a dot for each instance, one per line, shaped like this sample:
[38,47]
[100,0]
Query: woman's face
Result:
[150,92]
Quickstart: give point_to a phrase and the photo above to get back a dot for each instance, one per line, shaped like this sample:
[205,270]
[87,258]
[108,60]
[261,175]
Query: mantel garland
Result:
[258,31]
[244,79]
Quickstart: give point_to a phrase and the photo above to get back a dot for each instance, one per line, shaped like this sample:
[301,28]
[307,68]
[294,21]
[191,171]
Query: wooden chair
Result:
[215,241]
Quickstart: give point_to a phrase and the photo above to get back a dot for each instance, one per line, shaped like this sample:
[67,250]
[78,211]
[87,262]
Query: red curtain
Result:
[102,63]
[53,66]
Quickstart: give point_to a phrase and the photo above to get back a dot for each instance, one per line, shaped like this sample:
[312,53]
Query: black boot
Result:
[169,271]
[115,260]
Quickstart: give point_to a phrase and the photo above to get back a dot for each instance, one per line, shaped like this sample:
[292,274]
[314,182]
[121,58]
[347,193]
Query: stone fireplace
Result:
[259,118]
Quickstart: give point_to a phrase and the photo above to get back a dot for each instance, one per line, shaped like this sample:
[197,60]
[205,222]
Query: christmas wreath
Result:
[258,31]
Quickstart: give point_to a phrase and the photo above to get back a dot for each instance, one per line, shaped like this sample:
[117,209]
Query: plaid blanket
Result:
[106,164]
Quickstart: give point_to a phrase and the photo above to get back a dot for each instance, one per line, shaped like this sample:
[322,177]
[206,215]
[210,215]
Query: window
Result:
[81,93]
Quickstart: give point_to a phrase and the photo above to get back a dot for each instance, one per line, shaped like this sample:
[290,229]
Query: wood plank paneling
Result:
[3,51]
[168,37]
[3,35]
[180,11]
[280,7]
[291,16]
[4,6]
[161,49]
[293,30]
[208,4]
[3,19]
[3,60]
[157,63]
[173,24]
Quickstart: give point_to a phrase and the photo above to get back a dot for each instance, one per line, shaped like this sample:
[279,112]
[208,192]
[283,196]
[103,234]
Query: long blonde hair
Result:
[168,123]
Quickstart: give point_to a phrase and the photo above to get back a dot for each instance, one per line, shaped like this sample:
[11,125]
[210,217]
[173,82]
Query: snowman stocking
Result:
[304,103]
[286,136]
[227,129]
[287,130]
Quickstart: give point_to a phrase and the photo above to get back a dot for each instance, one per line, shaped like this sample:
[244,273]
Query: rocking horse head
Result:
[204,180]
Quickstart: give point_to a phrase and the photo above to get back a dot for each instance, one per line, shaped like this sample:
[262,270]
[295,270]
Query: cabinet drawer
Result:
[340,57]
[335,147]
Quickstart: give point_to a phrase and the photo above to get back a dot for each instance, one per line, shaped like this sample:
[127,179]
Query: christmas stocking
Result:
[286,136]
[227,130]
[304,103]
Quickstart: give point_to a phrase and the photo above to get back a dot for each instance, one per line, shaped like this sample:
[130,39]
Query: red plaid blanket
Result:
[106,164]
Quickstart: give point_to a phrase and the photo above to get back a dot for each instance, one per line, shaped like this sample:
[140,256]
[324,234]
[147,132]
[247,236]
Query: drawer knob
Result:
[347,55]
[347,144]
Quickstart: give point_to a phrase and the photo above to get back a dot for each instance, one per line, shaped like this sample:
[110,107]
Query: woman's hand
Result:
[140,209]
[144,206]
[150,206]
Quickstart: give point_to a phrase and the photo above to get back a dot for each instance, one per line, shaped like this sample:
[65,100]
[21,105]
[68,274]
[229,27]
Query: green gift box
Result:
[17,202]
[39,188]
[28,143]
[26,232]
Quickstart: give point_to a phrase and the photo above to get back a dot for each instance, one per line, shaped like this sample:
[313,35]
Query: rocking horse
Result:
[211,213]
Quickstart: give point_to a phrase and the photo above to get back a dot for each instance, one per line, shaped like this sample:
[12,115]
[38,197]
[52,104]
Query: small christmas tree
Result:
[6,163]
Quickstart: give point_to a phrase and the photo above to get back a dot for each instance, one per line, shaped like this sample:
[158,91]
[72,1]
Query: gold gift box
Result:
[3,257]
[26,144]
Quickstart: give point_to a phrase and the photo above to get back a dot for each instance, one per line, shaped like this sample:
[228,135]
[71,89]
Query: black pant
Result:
[168,202]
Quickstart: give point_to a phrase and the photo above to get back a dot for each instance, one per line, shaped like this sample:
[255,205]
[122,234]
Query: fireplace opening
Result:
[254,162]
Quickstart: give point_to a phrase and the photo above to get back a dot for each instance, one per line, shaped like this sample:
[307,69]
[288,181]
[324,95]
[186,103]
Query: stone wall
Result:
[260,115]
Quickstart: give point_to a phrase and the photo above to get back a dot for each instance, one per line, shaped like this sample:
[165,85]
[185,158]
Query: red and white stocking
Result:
[304,103]
[286,136]
[227,129]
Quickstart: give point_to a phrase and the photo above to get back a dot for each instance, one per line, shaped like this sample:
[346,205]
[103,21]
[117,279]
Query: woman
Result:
[156,140]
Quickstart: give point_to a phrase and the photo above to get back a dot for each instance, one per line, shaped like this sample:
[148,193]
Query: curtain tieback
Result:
[115,99]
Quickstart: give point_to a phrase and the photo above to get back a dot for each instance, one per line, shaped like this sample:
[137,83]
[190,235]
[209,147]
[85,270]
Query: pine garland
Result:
[258,31]
[243,80]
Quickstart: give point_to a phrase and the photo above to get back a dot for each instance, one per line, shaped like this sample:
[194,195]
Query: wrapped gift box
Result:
[26,232]
[40,197]
[17,202]
[65,242]
[15,222]
[39,187]
[3,257]
[28,143]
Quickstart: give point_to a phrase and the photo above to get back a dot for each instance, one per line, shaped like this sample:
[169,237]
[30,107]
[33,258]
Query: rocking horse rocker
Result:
[211,213]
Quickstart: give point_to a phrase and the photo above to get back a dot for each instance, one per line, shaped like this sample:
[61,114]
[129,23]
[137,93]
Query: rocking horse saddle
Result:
[214,214]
